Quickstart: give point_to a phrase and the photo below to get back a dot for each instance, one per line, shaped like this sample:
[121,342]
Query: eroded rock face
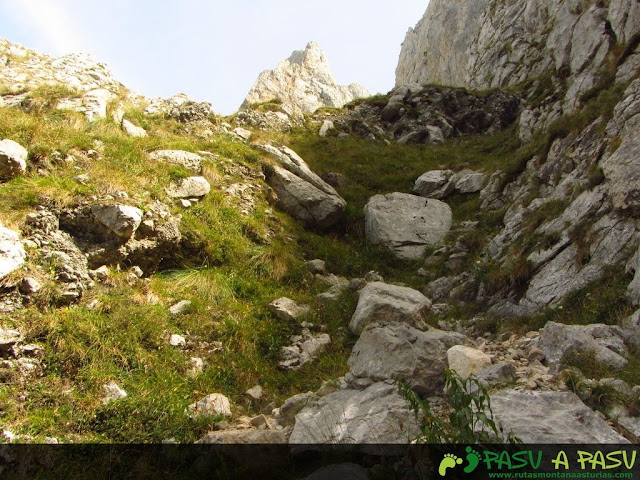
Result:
[550,417]
[484,44]
[397,351]
[301,193]
[304,83]
[406,224]
[379,301]
[376,415]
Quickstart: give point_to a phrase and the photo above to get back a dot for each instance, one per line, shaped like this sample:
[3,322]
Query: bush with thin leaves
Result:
[470,418]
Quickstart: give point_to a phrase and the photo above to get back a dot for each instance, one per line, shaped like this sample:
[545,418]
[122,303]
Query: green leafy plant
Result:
[470,418]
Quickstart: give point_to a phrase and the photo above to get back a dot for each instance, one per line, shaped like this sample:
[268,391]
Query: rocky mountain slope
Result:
[233,284]
[303,83]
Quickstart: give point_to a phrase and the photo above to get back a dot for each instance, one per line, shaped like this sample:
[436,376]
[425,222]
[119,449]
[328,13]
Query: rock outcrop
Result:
[303,83]
[12,254]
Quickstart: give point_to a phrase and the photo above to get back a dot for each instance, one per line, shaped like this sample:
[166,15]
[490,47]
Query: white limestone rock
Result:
[122,220]
[190,187]
[212,405]
[12,253]
[189,160]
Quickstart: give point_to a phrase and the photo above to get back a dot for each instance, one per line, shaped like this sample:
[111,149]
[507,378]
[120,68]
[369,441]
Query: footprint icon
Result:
[473,457]
[449,461]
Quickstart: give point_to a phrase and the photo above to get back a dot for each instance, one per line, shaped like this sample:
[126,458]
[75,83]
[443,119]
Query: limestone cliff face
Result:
[304,83]
[495,43]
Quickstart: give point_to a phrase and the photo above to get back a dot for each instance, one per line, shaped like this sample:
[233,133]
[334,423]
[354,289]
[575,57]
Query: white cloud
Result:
[50,19]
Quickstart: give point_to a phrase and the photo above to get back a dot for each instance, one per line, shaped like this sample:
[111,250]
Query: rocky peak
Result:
[303,83]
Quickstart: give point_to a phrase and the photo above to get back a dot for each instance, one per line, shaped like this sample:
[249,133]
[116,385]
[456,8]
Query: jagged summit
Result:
[304,83]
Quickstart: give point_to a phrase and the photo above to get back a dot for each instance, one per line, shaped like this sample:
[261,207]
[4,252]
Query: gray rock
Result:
[176,340]
[376,415]
[133,130]
[406,224]
[12,253]
[302,193]
[499,373]
[397,351]
[180,308]
[195,367]
[434,184]
[8,338]
[255,392]
[242,133]
[190,187]
[30,286]
[13,159]
[304,349]
[467,361]
[122,220]
[382,302]
[95,103]
[212,405]
[468,181]
[326,126]
[603,343]
[550,417]
[112,392]
[190,161]
[287,310]
[317,266]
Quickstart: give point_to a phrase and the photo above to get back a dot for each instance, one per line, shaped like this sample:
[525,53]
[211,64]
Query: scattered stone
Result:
[112,392]
[406,224]
[189,188]
[467,361]
[373,277]
[195,367]
[212,405]
[356,284]
[287,310]
[188,160]
[434,184]
[177,341]
[242,133]
[180,308]
[317,266]
[397,351]
[304,349]
[136,271]
[255,392]
[326,126]
[468,181]
[292,406]
[30,286]
[382,302]
[8,338]
[13,159]
[500,373]
[133,130]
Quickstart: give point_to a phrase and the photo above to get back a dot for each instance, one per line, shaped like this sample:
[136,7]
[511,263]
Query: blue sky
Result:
[214,50]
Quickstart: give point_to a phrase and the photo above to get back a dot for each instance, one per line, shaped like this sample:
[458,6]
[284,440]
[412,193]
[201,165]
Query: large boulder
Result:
[397,351]
[13,159]
[603,343]
[406,224]
[550,417]
[379,301]
[12,254]
[376,415]
[434,184]
[302,193]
